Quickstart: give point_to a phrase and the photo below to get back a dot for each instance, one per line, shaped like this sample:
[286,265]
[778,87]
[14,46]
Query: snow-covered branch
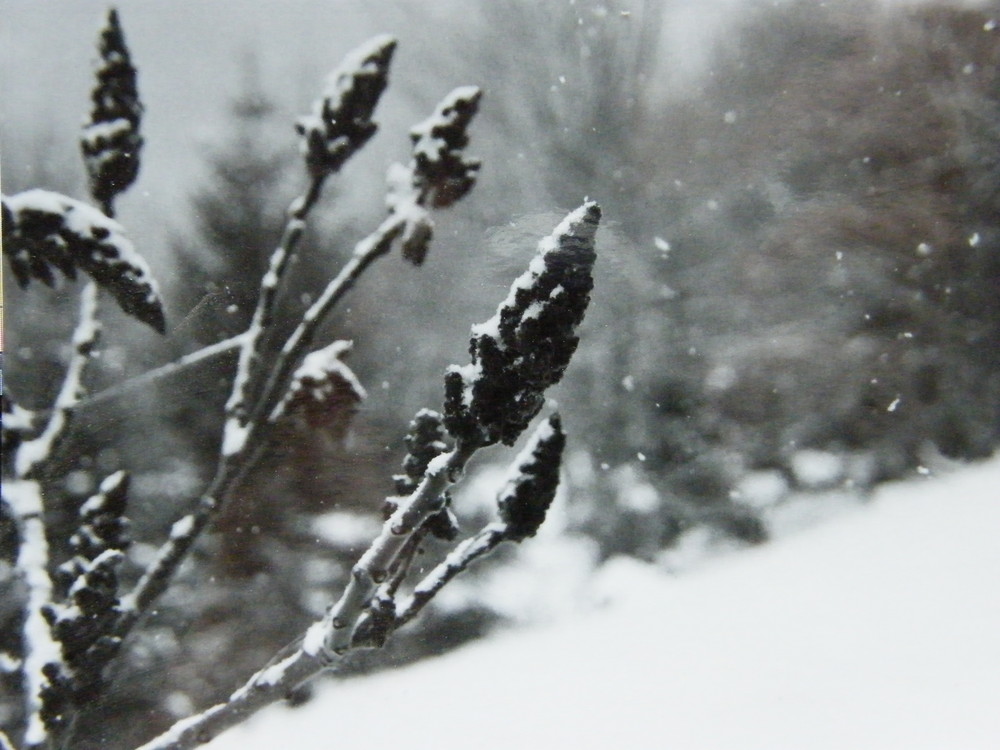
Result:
[24,497]
[33,454]
[75,621]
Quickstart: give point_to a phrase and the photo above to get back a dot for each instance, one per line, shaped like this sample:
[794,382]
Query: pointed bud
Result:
[43,229]
[532,482]
[340,122]
[111,141]
[525,347]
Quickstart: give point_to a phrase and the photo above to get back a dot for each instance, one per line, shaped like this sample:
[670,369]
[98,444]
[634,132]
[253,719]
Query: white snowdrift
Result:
[878,629]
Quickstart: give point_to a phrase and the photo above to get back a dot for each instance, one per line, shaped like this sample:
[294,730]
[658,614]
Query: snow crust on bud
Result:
[439,173]
[340,122]
[111,141]
[532,481]
[525,347]
[323,389]
[45,230]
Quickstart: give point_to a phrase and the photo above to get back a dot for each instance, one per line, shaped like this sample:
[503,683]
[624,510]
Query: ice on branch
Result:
[439,173]
[525,347]
[324,391]
[111,141]
[340,122]
[532,482]
[43,230]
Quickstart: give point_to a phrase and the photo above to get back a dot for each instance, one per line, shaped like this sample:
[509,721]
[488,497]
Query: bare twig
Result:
[164,371]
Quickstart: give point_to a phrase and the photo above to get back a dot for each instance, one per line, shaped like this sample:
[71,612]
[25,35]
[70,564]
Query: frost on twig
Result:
[439,173]
[111,141]
[43,230]
[340,122]
[324,393]
[525,347]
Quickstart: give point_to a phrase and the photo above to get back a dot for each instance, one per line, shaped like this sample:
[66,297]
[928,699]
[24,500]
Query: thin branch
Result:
[237,423]
[34,454]
[457,561]
[164,371]
[366,252]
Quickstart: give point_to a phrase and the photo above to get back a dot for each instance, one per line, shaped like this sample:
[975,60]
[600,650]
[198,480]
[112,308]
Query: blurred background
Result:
[798,284]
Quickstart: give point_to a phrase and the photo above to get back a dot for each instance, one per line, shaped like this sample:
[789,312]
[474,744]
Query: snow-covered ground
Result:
[878,628]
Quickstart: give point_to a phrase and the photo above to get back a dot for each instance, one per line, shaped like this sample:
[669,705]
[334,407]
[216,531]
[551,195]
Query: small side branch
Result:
[457,562]
[165,371]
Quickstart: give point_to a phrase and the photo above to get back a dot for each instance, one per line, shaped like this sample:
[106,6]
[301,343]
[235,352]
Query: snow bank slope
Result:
[879,629]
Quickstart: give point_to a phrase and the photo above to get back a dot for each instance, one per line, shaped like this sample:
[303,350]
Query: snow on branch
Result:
[43,230]
[525,347]
[33,454]
[340,122]
[111,141]
[24,497]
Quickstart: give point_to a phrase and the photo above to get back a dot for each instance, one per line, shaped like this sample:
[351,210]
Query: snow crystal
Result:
[661,244]
[628,383]
[990,25]
[894,405]
[974,240]
[924,249]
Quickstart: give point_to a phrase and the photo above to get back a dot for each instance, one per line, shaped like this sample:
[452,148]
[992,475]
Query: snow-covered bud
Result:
[340,122]
[525,347]
[111,141]
[324,392]
[103,527]
[424,442]
[531,484]
[442,169]
[439,173]
[43,230]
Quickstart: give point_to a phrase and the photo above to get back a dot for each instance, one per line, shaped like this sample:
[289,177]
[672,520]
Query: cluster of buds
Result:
[525,347]
[88,582]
